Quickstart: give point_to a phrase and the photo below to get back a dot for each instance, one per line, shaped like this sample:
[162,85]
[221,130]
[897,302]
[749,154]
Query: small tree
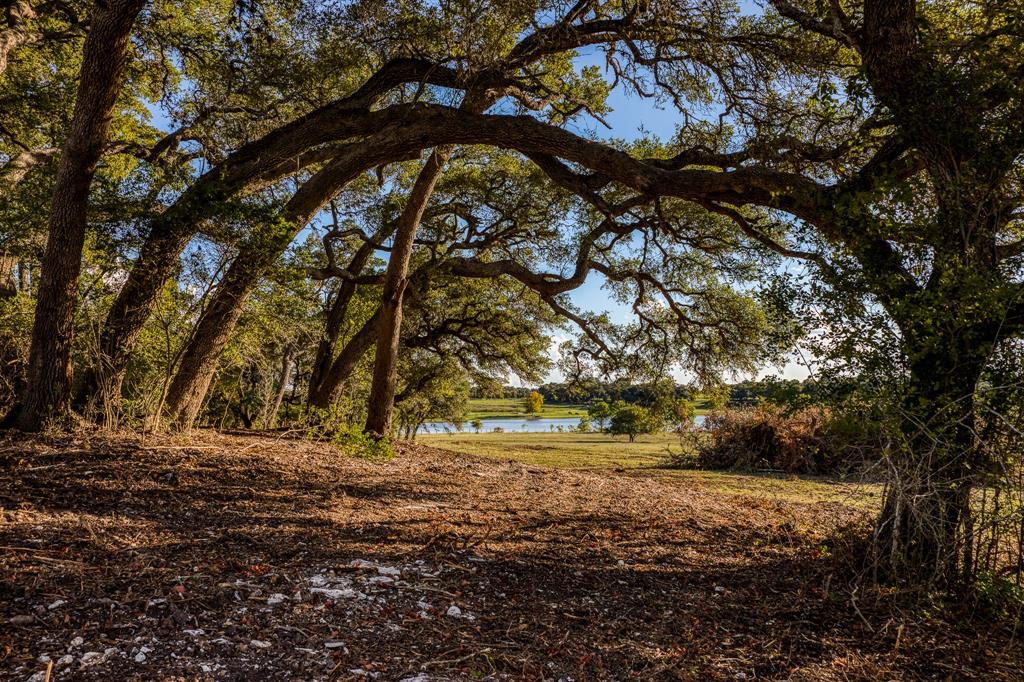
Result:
[534,403]
[632,421]
[477,425]
[679,415]
[599,412]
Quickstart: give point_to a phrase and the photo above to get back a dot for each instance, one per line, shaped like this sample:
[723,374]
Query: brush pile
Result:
[809,441]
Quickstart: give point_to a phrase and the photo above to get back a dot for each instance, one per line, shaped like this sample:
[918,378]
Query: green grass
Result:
[646,457]
[569,450]
[511,408]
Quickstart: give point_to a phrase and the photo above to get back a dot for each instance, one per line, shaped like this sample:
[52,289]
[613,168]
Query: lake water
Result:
[516,425]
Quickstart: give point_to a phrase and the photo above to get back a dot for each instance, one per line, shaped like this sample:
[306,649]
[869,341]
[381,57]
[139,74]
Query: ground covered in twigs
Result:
[229,557]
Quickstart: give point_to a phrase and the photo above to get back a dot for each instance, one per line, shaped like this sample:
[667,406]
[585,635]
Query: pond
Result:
[515,425]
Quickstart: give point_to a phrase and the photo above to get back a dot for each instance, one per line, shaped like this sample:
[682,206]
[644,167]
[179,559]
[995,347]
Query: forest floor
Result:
[256,558]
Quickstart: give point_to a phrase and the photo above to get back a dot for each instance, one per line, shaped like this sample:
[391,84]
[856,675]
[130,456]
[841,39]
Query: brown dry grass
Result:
[583,575]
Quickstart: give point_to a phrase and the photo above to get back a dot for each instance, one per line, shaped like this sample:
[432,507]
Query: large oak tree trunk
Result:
[141,292]
[382,390]
[156,263]
[921,531]
[47,394]
[199,361]
[282,152]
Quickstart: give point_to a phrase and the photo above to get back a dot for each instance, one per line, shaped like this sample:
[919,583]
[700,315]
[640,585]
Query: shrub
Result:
[327,425]
[632,421]
[809,441]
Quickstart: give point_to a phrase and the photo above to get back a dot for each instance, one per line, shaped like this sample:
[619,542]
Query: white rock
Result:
[77,641]
[335,644]
[276,599]
[44,658]
[66,660]
[140,657]
[344,593]
[454,612]
[260,644]
[194,633]
[56,605]
[362,564]
[719,589]
[90,657]
[389,570]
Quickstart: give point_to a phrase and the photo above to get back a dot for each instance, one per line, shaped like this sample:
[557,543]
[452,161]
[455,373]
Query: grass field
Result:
[510,408]
[647,457]
[498,408]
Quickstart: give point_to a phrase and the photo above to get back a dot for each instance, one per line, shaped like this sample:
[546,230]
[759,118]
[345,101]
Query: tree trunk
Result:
[382,390]
[920,531]
[8,281]
[287,364]
[335,320]
[343,366]
[48,391]
[199,361]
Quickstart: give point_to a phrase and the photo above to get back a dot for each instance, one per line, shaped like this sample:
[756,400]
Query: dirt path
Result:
[254,558]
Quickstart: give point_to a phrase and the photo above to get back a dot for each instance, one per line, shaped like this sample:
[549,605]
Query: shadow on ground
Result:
[253,558]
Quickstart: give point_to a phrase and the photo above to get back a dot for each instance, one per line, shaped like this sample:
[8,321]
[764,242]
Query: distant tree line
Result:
[783,392]
[587,391]
[503,392]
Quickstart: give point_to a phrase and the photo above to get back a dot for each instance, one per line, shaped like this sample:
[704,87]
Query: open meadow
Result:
[648,456]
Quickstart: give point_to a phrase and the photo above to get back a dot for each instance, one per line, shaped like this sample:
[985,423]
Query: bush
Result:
[328,426]
[633,420]
[809,441]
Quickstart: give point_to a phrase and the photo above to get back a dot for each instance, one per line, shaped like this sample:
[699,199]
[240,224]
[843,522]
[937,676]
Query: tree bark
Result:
[382,390]
[8,281]
[199,361]
[336,317]
[919,531]
[343,366]
[47,394]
